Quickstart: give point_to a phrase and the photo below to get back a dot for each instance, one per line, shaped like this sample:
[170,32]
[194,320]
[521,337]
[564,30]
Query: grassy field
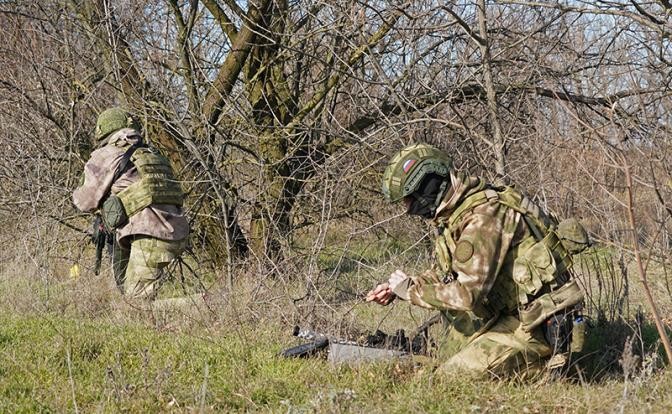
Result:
[53,364]
[70,345]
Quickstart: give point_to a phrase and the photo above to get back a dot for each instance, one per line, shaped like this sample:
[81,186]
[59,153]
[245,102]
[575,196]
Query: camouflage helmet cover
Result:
[112,120]
[408,168]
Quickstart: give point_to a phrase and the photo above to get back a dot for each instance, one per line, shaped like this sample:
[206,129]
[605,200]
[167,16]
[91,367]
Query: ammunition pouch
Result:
[540,265]
[548,304]
[113,213]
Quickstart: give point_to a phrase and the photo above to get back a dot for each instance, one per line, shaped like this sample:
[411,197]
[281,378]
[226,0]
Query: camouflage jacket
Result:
[166,222]
[474,256]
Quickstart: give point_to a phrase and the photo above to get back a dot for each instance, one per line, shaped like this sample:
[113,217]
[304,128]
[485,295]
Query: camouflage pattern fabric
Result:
[157,184]
[138,271]
[501,350]
[152,238]
[120,255]
[472,280]
[163,221]
[469,259]
[111,120]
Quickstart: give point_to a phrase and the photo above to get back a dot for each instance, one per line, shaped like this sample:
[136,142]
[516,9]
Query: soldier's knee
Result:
[457,367]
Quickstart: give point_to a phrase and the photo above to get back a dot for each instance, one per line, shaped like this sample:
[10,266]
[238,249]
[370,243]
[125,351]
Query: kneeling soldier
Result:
[502,277]
[140,200]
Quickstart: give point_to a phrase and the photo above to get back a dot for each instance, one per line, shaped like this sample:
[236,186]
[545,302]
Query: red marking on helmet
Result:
[408,165]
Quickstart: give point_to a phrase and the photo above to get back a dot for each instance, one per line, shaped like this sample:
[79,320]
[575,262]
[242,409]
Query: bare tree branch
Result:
[224,21]
[230,69]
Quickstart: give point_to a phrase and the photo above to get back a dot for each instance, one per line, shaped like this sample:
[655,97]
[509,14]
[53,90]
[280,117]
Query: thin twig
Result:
[640,265]
[71,379]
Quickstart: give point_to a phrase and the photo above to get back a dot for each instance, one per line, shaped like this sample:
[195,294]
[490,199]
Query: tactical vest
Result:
[538,266]
[157,184]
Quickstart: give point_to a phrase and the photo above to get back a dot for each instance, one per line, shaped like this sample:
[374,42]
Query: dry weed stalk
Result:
[640,264]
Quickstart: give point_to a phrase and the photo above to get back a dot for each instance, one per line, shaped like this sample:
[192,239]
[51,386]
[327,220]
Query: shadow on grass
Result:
[617,348]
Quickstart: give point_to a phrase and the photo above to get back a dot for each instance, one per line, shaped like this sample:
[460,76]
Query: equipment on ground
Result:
[371,347]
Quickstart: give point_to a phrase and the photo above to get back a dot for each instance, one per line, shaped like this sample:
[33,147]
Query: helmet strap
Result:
[442,191]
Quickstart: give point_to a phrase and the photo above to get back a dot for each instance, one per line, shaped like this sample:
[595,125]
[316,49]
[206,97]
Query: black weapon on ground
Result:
[317,342]
[417,345]
[100,238]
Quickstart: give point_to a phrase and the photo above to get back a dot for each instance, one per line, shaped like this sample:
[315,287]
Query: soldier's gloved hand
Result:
[396,277]
[381,294]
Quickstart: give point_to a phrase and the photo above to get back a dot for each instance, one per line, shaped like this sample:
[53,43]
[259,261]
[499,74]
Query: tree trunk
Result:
[498,139]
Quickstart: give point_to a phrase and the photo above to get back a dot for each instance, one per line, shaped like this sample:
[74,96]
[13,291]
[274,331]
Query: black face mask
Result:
[425,199]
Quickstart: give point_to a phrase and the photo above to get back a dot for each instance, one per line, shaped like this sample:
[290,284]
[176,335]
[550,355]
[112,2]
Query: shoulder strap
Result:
[472,201]
[124,161]
[530,212]
[122,167]
[507,196]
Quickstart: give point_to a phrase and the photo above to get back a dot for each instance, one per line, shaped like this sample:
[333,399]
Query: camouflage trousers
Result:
[500,349]
[139,271]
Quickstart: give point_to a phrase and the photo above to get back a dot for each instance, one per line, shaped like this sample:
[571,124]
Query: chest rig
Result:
[535,270]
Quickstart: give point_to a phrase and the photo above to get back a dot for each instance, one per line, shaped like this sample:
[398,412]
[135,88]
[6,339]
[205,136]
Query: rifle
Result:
[100,238]
[376,346]
[317,343]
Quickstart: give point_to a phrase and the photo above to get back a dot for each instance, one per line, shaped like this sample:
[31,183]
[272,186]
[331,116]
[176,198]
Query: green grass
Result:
[67,345]
[53,363]
[356,255]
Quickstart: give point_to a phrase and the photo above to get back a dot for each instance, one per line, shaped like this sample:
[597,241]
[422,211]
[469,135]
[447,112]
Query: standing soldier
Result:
[135,189]
[502,275]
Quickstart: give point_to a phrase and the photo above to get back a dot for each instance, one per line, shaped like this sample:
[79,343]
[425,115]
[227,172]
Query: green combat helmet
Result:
[112,120]
[410,166]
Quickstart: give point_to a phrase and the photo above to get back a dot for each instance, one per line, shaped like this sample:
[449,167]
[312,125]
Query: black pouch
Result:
[114,214]
[557,330]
